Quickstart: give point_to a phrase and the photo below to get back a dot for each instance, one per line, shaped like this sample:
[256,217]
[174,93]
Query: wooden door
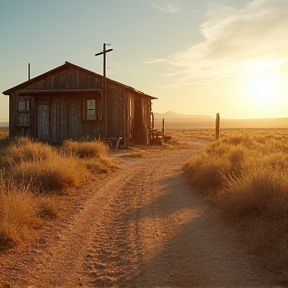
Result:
[44,122]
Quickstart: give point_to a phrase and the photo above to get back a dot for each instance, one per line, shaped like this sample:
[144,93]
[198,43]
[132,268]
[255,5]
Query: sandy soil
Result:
[143,226]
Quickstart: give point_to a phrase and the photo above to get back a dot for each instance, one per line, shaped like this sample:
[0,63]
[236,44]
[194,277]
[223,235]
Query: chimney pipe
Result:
[28,71]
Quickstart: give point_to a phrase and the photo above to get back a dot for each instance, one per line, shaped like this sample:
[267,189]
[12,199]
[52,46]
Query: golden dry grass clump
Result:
[53,174]
[33,174]
[17,215]
[40,166]
[246,175]
[24,150]
[254,165]
[86,149]
[21,212]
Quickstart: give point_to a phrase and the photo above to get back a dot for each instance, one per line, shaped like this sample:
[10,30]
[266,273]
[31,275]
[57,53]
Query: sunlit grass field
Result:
[34,175]
[245,174]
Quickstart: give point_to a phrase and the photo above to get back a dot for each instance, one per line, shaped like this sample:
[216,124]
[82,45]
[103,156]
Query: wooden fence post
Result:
[217,132]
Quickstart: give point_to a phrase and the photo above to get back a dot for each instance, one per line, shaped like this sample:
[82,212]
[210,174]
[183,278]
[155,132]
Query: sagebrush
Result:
[34,174]
[246,175]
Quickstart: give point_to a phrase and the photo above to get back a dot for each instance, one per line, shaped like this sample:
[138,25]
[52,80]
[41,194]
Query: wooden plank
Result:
[44,122]
[53,121]
[58,91]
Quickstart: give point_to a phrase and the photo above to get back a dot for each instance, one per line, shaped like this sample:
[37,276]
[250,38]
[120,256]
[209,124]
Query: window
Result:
[23,119]
[92,108]
[23,113]
[23,105]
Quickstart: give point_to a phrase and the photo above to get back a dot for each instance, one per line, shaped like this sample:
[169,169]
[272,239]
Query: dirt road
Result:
[143,226]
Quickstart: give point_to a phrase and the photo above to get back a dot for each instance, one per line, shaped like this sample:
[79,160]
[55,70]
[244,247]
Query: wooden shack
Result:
[68,103]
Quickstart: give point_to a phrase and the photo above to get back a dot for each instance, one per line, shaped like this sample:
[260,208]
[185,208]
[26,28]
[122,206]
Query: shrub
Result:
[25,150]
[257,193]
[47,208]
[250,185]
[86,149]
[17,217]
[206,172]
[53,174]
[99,165]
[31,174]
[248,180]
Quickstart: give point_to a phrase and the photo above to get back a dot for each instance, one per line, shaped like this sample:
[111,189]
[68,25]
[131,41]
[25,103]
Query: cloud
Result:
[235,41]
[167,6]
[114,68]
[154,61]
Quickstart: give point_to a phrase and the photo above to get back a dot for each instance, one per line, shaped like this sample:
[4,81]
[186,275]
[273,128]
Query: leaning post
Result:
[217,127]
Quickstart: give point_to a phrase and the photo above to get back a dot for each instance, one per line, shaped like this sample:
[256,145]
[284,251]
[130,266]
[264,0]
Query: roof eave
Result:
[26,83]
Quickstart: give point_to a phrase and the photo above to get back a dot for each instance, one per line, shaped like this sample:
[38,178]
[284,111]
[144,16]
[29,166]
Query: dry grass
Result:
[47,208]
[24,150]
[53,174]
[246,175]
[17,216]
[3,133]
[208,134]
[99,165]
[86,149]
[33,175]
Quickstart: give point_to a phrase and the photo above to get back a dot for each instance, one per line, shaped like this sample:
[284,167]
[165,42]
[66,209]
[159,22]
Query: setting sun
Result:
[264,88]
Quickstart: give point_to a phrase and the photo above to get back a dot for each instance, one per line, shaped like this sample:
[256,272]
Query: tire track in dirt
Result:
[173,237]
[56,257]
[115,252]
[141,227]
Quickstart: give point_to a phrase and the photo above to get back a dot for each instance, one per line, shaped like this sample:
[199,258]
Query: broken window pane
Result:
[24,119]
[24,105]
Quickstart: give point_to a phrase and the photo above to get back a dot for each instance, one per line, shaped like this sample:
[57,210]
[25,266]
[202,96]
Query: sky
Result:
[198,57]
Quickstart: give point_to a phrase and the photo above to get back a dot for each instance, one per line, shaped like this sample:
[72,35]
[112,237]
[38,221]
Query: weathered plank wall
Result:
[66,109]
[68,78]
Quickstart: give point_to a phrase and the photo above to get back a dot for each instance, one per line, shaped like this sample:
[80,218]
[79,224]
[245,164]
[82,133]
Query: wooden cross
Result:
[104,57]
[104,87]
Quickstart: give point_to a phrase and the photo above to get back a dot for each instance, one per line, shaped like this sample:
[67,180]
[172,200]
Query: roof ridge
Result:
[67,63]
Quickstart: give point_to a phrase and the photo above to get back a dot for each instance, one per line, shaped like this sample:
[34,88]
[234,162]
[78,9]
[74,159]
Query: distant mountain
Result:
[170,114]
[4,124]
[180,121]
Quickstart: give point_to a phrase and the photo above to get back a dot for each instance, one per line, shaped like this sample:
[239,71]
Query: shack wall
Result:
[61,94]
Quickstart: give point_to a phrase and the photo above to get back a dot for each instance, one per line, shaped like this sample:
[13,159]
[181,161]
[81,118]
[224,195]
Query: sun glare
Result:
[264,88]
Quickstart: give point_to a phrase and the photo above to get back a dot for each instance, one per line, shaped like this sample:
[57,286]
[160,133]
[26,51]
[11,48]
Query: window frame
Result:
[23,112]
[97,108]
[90,111]
[26,101]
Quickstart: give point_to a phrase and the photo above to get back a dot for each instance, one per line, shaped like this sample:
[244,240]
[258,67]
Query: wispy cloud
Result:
[235,41]
[118,67]
[168,6]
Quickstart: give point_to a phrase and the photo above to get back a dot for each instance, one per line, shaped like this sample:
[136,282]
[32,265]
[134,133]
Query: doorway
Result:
[44,122]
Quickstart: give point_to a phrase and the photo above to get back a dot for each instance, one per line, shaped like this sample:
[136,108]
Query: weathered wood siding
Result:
[66,119]
[117,110]
[69,86]
[68,78]
[140,119]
